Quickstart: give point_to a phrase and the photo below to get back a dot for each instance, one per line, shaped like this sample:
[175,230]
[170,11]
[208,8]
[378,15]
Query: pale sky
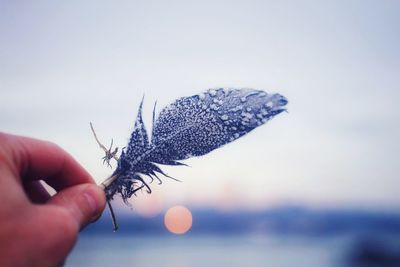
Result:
[66,63]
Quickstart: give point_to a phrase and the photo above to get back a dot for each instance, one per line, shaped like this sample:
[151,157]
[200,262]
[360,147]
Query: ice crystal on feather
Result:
[190,126]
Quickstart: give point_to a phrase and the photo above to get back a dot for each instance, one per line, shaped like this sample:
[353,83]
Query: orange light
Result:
[178,220]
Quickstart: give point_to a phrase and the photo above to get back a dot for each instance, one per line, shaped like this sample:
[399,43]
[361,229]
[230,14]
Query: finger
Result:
[84,202]
[42,160]
[36,192]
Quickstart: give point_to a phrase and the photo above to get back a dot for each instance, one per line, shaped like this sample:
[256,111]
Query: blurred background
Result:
[318,186]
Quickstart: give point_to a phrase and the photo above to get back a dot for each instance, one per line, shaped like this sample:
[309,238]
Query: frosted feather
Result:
[189,127]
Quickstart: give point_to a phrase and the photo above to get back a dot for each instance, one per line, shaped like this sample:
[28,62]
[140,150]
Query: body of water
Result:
[207,250]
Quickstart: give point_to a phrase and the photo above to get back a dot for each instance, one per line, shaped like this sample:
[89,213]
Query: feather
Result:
[189,127]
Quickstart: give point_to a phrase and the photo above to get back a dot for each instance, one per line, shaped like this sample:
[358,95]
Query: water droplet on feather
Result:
[224,117]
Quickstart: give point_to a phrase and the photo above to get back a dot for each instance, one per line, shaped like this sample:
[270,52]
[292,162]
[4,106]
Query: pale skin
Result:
[37,229]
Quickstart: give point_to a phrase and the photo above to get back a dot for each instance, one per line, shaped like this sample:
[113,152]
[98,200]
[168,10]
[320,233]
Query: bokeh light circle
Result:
[178,220]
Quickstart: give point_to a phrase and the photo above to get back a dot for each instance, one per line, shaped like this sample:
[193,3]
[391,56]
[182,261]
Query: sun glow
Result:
[178,220]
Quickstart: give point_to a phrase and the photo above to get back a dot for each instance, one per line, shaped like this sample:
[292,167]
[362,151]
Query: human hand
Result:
[37,229]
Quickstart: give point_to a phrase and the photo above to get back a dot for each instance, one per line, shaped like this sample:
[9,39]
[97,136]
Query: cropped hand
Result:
[37,229]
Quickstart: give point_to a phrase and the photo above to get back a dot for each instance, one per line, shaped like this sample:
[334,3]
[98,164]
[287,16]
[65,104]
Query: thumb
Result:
[85,202]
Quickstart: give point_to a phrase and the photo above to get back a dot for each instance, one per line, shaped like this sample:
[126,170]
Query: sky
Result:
[64,64]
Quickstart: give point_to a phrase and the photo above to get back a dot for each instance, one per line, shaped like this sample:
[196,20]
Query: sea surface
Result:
[208,250]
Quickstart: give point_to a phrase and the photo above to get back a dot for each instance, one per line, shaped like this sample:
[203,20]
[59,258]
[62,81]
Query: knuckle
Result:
[54,146]
[4,137]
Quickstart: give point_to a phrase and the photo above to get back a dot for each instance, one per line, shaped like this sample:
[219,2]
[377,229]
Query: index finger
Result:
[35,159]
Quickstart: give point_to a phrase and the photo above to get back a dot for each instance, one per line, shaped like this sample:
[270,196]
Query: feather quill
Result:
[189,127]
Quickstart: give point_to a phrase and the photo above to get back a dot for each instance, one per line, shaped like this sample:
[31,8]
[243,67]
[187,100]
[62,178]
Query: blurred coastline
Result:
[284,236]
